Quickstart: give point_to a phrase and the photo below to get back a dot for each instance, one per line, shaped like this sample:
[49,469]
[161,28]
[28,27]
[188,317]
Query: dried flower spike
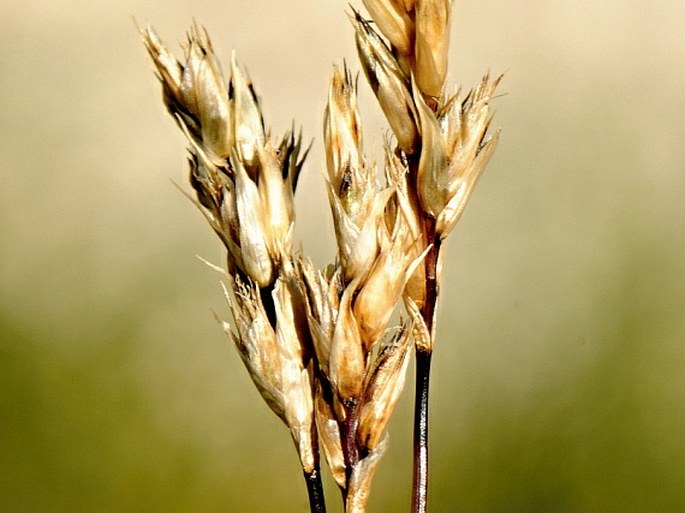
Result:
[317,344]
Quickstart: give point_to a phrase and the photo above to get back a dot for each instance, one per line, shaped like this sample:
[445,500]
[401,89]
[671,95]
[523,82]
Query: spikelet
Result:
[383,287]
[455,152]
[453,141]
[295,382]
[256,343]
[353,191]
[347,360]
[195,91]
[382,388]
[388,82]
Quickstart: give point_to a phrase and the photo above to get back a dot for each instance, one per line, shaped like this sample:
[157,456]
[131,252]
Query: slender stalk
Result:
[423,364]
[431,266]
[317,503]
[420,477]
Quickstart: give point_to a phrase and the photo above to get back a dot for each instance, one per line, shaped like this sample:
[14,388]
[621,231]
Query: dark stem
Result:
[423,364]
[420,478]
[317,503]
[431,266]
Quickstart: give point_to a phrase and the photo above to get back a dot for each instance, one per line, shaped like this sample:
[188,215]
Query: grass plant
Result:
[318,343]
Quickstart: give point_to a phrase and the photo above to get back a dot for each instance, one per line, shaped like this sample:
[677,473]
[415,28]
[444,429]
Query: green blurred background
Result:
[559,375]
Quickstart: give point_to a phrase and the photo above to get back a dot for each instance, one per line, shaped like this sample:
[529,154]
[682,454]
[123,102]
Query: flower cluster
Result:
[318,344]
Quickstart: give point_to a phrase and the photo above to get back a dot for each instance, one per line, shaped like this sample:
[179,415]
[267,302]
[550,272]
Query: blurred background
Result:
[559,374]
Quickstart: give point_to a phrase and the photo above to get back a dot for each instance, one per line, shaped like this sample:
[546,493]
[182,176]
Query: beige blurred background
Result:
[559,375]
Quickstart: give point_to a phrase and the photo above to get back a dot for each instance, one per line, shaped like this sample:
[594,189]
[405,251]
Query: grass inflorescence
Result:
[318,343]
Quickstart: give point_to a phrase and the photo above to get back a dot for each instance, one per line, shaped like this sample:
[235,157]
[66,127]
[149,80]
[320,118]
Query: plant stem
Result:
[423,364]
[420,478]
[317,503]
